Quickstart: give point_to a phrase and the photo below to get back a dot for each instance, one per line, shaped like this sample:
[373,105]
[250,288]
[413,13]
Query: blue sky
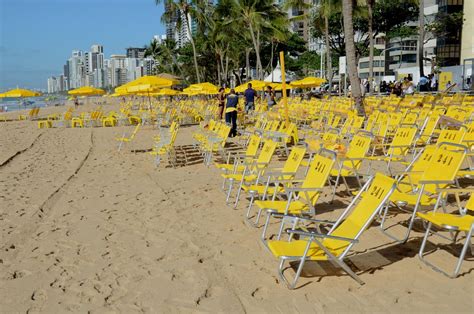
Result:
[37,36]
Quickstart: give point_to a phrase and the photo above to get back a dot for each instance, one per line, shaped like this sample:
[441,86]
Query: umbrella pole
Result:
[283,84]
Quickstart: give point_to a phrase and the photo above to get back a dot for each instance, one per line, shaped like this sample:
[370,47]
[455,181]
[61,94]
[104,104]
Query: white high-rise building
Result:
[76,69]
[56,84]
[118,70]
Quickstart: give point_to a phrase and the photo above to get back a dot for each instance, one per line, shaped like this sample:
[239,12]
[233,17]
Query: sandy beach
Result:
[85,228]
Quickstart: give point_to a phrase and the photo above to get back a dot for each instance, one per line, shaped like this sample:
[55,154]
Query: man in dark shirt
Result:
[231,112]
[249,94]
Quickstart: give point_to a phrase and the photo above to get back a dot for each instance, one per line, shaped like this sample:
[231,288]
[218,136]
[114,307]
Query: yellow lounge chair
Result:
[452,223]
[272,187]
[127,139]
[343,235]
[301,200]
[440,171]
[239,159]
[252,170]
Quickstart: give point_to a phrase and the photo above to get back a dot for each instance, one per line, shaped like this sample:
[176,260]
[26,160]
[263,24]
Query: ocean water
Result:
[14,104]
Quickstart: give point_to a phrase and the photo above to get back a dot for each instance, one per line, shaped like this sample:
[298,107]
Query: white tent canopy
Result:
[275,76]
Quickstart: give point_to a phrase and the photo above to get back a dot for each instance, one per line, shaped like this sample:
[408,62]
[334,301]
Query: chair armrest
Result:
[279,174]
[297,189]
[320,235]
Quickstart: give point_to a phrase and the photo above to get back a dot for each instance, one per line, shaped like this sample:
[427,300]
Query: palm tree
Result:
[370,17]
[347,10]
[180,11]
[257,15]
[326,10]
[421,37]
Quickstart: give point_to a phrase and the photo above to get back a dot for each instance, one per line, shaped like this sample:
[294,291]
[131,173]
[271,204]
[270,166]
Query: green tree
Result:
[180,11]
[258,16]
[347,11]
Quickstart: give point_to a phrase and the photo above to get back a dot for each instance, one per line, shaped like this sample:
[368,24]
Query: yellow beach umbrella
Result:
[167,92]
[86,91]
[147,84]
[308,82]
[256,84]
[275,86]
[203,88]
[18,92]
[190,91]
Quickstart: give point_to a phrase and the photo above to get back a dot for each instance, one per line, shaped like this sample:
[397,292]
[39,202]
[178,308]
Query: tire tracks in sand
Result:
[26,229]
[18,153]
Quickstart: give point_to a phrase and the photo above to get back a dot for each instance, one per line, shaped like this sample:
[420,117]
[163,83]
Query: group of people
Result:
[228,104]
[407,87]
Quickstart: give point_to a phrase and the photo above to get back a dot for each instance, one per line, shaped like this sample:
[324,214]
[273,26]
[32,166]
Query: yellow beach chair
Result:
[127,139]
[342,236]
[302,195]
[272,187]
[252,171]
[463,222]
[441,171]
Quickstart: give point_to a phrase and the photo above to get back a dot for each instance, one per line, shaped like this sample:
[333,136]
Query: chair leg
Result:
[238,195]
[231,183]
[410,224]
[270,213]
[467,244]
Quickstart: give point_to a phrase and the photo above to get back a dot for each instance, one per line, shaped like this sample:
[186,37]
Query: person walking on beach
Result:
[221,99]
[231,112]
[76,102]
[249,95]
[270,97]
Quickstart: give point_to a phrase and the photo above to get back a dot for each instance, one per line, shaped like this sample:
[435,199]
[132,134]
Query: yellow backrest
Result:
[211,125]
[363,213]
[444,164]
[422,162]
[403,137]
[410,118]
[267,151]
[254,143]
[430,125]
[451,136]
[317,175]
[469,135]
[358,148]
[294,159]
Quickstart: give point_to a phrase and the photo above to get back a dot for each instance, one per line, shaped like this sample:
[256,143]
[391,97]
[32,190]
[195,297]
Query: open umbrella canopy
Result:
[308,82]
[86,91]
[147,84]
[203,88]
[167,92]
[257,85]
[18,92]
[275,86]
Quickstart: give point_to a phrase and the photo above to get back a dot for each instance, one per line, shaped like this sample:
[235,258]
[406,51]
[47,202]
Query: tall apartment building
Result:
[181,35]
[118,70]
[76,69]
[467,41]
[135,52]
[56,84]
[448,48]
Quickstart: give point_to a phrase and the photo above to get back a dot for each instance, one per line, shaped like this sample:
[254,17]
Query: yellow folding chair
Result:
[302,195]
[252,171]
[463,222]
[127,139]
[271,187]
[440,172]
[334,245]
